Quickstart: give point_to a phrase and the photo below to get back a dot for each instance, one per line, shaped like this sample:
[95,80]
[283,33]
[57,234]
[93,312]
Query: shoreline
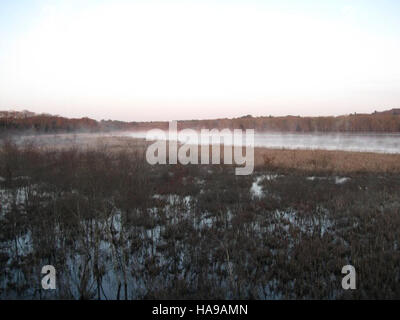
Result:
[310,160]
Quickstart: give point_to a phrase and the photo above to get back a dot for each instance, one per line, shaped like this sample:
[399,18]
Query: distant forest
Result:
[29,122]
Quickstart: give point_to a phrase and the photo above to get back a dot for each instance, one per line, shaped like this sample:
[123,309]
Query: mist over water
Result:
[380,143]
[368,142]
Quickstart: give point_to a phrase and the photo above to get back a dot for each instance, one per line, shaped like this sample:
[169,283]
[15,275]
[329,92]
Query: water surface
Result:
[381,143]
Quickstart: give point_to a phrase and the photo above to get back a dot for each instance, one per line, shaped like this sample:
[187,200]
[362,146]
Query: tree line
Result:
[387,121]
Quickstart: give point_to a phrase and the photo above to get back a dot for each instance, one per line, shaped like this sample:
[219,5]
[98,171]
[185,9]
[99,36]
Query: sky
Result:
[172,60]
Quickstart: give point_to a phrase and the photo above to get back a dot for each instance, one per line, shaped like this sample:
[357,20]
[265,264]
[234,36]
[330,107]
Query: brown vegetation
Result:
[387,121]
[326,161]
[117,228]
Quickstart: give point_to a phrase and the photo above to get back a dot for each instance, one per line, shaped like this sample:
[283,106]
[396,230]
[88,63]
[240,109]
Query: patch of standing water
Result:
[256,189]
[341,180]
[338,180]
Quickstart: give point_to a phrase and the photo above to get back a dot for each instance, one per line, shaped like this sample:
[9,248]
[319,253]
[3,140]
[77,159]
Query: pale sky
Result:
[164,60]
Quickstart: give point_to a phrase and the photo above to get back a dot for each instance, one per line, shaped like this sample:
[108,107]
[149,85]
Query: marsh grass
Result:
[117,228]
